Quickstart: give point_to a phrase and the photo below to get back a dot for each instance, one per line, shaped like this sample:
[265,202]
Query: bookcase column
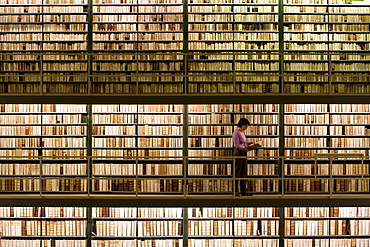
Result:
[281,147]
[281,45]
[89,148]
[185,45]
[185,148]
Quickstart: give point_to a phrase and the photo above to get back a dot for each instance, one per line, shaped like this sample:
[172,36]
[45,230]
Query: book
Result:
[253,145]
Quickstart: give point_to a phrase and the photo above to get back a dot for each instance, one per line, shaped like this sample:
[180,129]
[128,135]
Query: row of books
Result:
[138,243]
[141,18]
[45,243]
[144,65]
[39,18]
[195,214]
[51,185]
[19,212]
[216,108]
[326,242]
[321,185]
[312,212]
[140,228]
[315,117]
[308,88]
[141,212]
[69,8]
[194,27]
[319,2]
[235,228]
[323,169]
[46,142]
[234,212]
[47,169]
[326,227]
[42,228]
[129,154]
[172,227]
[177,169]
[229,16]
[234,242]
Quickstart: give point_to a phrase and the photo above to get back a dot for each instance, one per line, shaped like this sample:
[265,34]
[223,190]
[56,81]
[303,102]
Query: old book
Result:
[253,145]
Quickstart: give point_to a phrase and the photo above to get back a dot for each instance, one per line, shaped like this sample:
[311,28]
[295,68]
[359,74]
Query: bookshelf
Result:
[139,149]
[326,129]
[306,129]
[306,134]
[341,226]
[138,226]
[228,40]
[55,132]
[64,144]
[145,42]
[146,144]
[235,226]
[184,47]
[45,38]
[210,32]
[348,34]
[43,226]
[327,42]
[64,46]
[21,29]
[256,44]
[306,38]
[164,226]
[262,171]
[210,128]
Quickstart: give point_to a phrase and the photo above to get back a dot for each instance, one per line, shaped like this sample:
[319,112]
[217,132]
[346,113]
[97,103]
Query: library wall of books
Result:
[181,47]
[155,47]
[182,149]
[178,227]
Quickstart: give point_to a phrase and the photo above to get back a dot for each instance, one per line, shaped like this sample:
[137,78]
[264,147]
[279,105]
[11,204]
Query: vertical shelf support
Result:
[89,47]
[281,44]
[89,149]
[281,161]
[185,46]
[185,144]
[281,226]
[185,232]
[89,228]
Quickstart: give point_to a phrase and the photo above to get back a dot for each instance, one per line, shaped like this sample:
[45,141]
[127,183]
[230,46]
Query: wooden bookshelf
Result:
[43,226]
[138,226]
[138,149]
[344,226]
[145,40]
[234,226]
[146,144]
[164,226]
[326,129]
[55,132]
[142,47]
[43,38]
[210,130]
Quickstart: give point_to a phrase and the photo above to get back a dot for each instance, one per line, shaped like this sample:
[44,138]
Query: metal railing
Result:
[321,174]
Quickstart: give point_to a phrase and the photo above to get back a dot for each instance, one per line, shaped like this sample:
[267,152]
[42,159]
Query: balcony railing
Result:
[321,174]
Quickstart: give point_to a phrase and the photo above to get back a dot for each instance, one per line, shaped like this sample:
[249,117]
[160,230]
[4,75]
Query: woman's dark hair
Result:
[243,121]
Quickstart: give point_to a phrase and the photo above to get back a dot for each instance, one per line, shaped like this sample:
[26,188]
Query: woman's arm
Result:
[240,145]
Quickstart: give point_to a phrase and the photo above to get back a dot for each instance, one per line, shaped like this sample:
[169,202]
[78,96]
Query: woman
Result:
[240,143]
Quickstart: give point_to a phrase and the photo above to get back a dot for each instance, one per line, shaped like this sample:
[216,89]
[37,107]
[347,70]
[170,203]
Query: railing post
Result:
[331,157]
